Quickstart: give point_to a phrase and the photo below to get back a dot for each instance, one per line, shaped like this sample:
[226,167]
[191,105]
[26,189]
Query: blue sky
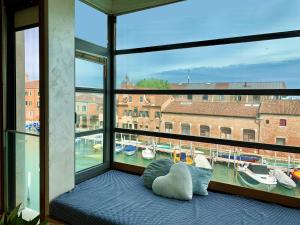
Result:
[192,20]
[32,53]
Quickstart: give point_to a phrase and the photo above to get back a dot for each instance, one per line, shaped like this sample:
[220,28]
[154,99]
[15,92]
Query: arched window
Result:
[204,131]
[248,135]
[226,132]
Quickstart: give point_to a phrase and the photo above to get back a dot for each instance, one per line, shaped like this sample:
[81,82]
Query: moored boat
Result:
[283,179]
[119,148]
[257,176]
[296,176]
[147,153]
[242,157]
[129,149]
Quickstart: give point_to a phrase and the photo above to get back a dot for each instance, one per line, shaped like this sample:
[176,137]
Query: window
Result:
[168,127]
[130,99]
[212,88]
[256,99]
[141,99]
[282,122]
[135,125]
[125,125]
[238,98]
[89,103]
[157,114]
[248,135]
[140,29]
[204,131]
[146,114]
[185,129]
[86,19]
[125,112]
[221,98]
[225,133]
[280,141]
[205,97]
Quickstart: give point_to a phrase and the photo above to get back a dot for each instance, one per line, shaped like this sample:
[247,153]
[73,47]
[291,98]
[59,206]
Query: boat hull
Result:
[250,182]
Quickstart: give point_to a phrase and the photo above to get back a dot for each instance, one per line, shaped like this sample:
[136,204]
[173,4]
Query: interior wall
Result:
[59,78]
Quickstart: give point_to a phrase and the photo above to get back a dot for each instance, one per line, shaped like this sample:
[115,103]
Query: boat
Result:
[283,179]
[129,150]
[119,148]
[257,176]
[296,176]
[242,157]
[97,147]
[147,153]
[181,156]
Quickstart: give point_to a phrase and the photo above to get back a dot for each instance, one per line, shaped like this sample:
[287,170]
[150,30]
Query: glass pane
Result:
[90,24]
[88,74]
[195,20]
[27,172]
[229,163]
[88,151]
[89,110]
[260,65]
[27,81]
[247,118]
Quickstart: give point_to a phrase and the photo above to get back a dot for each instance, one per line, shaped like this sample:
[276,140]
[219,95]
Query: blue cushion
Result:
[155,169]
[200,178]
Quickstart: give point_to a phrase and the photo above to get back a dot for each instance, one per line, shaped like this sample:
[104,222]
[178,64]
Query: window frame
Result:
[218,186]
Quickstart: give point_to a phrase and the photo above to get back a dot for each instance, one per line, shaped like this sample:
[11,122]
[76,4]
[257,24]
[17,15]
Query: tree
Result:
[153,83]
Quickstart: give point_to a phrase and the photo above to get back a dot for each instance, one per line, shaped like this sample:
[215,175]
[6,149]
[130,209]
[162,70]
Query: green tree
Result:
[153,83]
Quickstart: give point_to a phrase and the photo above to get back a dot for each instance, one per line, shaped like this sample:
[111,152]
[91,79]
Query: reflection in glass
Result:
[229,163]
[88,151]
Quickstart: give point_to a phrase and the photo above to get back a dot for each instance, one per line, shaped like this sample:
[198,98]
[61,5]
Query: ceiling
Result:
[118,7]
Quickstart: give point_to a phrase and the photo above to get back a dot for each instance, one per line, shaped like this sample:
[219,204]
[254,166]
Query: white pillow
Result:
[201,161]
[176,184]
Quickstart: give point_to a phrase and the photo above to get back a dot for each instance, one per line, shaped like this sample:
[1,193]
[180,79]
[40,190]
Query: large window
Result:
[23,138]
[226,86]
[89,113]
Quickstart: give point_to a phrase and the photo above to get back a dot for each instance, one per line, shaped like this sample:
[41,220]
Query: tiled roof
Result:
[212,108]
[280,107]
[89,98]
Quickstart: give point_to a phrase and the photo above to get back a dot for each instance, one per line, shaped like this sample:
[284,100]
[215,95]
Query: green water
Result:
[222,173]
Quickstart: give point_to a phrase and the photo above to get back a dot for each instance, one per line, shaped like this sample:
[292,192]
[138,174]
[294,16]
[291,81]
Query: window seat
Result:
[119,198]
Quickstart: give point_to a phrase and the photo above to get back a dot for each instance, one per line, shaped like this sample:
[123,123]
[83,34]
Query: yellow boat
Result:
[179,156]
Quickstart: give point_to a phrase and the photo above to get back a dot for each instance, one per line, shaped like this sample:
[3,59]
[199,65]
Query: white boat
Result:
[119,148]
[257,176]
[147,153]
[283,179]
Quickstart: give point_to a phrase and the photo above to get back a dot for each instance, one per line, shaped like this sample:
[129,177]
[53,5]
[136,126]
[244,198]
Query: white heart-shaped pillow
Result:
[176,184]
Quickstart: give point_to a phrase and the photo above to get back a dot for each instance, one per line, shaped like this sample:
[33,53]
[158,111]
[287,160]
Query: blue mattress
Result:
[120,198]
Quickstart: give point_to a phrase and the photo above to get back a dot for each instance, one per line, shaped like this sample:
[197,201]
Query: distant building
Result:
[32,101]
[89,110]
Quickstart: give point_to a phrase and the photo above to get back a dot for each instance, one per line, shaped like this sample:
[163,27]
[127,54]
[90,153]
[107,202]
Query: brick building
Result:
[32,101]
[89,110]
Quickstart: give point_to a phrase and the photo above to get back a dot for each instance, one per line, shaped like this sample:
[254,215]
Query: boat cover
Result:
[119,198]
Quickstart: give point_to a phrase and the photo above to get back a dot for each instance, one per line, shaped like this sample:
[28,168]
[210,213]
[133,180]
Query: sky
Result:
[32,53]
[191,20]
